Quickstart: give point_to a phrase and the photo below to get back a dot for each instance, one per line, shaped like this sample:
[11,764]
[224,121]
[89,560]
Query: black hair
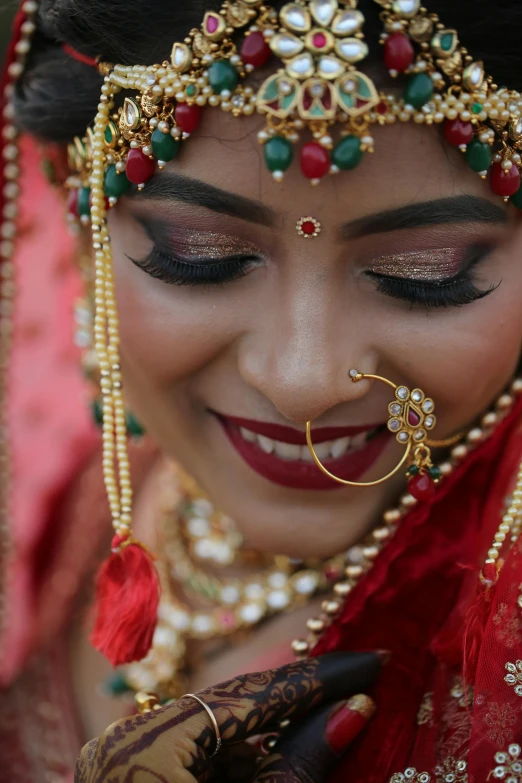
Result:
[57,97]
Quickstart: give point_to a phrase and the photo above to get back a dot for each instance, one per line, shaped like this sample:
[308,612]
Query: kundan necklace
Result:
[197,534]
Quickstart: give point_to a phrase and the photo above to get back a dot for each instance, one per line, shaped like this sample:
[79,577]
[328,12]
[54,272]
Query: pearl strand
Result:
[512,520]
[11,192]
[106,333]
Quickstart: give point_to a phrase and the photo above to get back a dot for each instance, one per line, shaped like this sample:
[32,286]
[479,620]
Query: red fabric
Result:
[127,597]
[410,605]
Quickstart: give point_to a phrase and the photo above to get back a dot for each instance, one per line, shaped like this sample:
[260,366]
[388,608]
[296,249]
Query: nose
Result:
[301,352]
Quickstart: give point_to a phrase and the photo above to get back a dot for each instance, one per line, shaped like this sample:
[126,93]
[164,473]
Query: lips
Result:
[280,454]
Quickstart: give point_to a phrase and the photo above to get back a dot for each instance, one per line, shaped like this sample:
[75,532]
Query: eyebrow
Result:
[171,186]
[454,209]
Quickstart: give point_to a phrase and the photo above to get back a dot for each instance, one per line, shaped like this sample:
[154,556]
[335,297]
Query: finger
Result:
[177,741]
[312,749]
[257,703]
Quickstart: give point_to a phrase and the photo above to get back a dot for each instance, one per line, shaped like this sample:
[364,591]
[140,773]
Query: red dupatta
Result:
[414,603]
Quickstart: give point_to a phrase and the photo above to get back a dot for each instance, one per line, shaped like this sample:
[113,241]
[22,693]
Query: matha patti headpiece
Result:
[318,90]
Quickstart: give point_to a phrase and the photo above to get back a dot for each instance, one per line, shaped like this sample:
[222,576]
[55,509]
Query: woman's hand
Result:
[175,744]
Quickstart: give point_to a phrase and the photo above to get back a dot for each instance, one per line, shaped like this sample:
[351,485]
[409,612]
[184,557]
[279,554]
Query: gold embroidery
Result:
[519,599]
[509,765]
[452,771]
[425,713]
[508,627]
[464,693]
[455,731]
[500,721]
[514,676]
[411,775]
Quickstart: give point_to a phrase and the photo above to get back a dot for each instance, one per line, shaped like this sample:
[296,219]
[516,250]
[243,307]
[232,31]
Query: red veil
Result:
[415,602]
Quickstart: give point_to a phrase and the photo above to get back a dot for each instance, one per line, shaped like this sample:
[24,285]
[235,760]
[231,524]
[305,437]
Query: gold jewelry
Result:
[376,540]
[411,415]
[213,720]
[308,227]
[317,87]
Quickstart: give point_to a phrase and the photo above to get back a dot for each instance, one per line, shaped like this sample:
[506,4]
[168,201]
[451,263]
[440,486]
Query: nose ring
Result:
[410,418]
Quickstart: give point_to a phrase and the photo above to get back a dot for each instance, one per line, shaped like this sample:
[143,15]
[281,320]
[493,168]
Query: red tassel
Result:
[127,597]
[476,620]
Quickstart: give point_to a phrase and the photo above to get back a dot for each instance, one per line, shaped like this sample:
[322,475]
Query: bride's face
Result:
[236,330]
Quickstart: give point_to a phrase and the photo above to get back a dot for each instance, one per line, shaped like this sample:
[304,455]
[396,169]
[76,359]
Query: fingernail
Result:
[384,655]
[348,721]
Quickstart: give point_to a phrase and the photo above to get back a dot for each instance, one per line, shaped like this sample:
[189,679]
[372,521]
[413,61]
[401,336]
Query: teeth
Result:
[306,454]
[340,447]
[248,435]
[267,444]
[323,449]
[331,449]
[287,450]
[358,441]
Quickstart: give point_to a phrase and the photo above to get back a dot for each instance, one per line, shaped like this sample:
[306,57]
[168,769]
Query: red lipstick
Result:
[297,474]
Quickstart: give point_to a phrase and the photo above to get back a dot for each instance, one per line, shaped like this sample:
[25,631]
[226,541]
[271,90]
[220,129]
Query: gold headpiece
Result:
[318,87]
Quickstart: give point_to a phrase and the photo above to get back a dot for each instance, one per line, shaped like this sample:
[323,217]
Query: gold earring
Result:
[410,418]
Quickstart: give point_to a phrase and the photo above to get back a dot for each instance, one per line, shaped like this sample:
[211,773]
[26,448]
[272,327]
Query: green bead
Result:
[446,41]
[413,470]
[435,473]
[134,428]
[190,90]
[516,200]
[116,685]
[278,153]
[477,108]
[97,412]
[115,185]
[223,76]
[478,155]
[84,202]
[419,90]
[347,154]
[164,146]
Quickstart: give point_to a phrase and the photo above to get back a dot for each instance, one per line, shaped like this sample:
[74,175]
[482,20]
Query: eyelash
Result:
[176,271]
[455,292]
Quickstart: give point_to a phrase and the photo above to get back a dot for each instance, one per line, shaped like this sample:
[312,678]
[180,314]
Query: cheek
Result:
[168,333]
[468,355]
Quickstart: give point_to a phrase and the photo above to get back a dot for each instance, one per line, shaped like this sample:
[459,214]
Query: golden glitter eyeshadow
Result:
[428,265]
[210,244]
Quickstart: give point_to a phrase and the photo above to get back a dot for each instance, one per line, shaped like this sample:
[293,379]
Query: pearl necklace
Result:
[373,545]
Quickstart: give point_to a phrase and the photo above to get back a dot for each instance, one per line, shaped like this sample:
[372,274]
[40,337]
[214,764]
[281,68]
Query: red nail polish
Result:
[348,722]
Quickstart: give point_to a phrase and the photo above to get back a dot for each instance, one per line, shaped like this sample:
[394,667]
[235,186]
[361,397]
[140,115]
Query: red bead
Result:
[505,183]
[72,203]
[422,486]
[315,160]
[139,168]
[381,108]
[319,40]
[255,50]
[457,132]
[187,117]
[398,52]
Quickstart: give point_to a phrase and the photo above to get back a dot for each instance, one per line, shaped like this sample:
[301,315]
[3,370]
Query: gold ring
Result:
[212,717]
[410,433]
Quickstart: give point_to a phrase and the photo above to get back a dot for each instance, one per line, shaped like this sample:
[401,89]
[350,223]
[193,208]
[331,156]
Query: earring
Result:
[410,418]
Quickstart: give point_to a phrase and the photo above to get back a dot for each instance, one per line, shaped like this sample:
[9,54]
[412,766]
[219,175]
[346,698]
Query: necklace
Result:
[509,529]
[242,605]
[191,530]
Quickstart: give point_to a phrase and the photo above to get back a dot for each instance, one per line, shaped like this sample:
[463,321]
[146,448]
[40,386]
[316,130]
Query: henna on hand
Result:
[174,744]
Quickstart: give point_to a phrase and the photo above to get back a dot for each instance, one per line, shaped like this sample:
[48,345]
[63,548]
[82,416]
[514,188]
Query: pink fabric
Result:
[50,429]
